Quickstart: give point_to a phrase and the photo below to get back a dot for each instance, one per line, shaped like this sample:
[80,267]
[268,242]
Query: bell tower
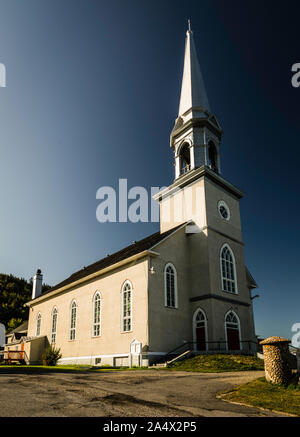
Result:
[197,134]
[199,193]
[211,253]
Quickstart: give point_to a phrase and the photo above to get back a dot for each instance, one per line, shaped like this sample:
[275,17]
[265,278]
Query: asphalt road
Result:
[149,393]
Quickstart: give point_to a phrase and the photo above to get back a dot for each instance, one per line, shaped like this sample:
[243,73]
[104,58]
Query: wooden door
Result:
[233,339]
[200,338]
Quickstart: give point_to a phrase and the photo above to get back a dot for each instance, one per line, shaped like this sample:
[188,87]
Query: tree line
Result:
[14,293]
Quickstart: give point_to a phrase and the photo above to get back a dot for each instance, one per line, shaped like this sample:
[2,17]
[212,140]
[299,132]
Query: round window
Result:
[224,210]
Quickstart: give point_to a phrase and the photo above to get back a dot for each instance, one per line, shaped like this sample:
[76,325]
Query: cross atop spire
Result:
[193,93]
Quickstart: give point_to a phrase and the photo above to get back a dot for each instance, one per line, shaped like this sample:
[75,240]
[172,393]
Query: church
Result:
[185,288]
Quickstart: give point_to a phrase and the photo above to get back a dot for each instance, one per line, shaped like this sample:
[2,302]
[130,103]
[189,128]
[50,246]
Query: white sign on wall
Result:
[135,347]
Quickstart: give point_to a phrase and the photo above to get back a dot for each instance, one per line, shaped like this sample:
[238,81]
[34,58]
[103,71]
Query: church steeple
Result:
[197,134]
[193,93]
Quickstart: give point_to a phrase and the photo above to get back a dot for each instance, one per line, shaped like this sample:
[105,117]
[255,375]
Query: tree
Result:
[14,293]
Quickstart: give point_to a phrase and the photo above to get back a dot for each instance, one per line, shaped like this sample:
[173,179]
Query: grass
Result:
[218,363]
[263,394]
[62,368]
[200,363]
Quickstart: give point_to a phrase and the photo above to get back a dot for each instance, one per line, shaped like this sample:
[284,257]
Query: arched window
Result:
[200,330]
[73,315]
[228,272]
[127,307]
[53,325]
[213,157]
[170,286]
[97,315]
[38,324]
[232,331]
[185,158]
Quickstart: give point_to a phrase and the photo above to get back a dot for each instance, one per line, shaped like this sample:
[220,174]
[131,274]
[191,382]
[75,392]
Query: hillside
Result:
[219,363]
[14,293]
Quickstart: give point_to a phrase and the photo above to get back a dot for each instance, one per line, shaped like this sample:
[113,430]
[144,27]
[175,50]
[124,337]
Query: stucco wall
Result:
[35,348]
[197,261]
[213,194]
[222,232]
[112,340]
[196,258]
[168,327]
[185,204]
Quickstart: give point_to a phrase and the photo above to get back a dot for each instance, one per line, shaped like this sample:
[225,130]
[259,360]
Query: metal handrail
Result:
[186,345]
[191,345]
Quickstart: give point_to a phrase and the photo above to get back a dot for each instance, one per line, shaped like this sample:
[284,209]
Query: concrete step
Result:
[159,365]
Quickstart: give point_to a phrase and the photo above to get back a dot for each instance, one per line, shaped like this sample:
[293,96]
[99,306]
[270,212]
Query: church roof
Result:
[250,280]
[193,93]
[133,249]
[22,329]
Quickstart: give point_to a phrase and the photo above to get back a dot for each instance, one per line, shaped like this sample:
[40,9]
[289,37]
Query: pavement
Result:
[149,393]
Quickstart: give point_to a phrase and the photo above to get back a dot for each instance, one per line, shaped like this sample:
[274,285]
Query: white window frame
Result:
[238,325]
[175,286]
[234,281]
[38,324]
[123,318]
[199,310]
[73,328]
[53,331]
[224,204]
[97,324]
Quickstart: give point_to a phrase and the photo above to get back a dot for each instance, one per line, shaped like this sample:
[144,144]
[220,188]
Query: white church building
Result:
[183,288]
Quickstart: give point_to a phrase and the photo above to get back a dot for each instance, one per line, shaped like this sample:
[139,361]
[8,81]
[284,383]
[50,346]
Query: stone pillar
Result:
[277,360]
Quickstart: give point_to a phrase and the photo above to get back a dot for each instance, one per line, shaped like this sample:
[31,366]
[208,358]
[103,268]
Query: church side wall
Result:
[222,232]
[112,346]
[197,261]
[213,194]
[169,327]
[185,204]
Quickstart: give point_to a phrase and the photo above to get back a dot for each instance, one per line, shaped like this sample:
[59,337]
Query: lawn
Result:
[260,393]
[66,368]
[200,363]
[219,363]
[72,368]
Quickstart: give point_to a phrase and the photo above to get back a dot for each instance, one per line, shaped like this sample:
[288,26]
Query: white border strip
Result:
[109,356]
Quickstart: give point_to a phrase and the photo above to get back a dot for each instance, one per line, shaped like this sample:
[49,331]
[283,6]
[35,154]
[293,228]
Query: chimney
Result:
[37,284]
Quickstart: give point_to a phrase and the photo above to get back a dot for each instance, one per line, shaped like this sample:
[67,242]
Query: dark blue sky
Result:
[92,94]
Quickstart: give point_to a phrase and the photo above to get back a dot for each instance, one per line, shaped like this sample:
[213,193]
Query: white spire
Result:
[193,92]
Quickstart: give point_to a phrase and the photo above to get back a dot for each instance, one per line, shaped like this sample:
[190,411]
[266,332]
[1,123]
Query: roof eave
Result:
[92,276]
[192,176]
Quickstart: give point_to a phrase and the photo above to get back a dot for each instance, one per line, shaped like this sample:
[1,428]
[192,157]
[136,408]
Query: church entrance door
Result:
[232,326]
[233,339]
[200,330]
[200,336]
